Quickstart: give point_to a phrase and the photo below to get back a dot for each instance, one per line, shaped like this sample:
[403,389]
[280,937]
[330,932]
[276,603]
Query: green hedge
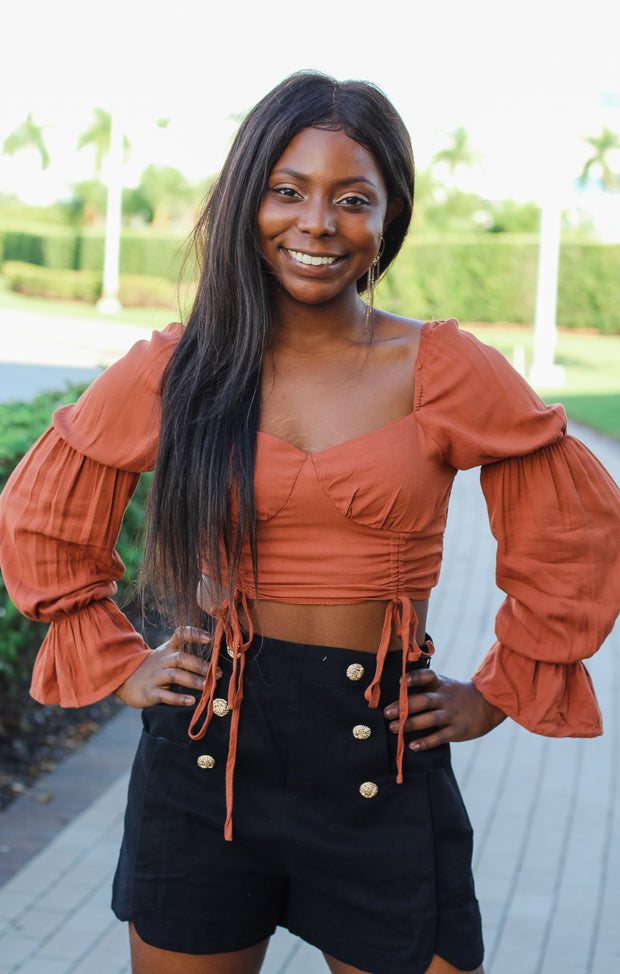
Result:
[479,278]
[147,253]
[136,290]
[20,425]
[45,246]
[476,277]
[589,288]
[492,278]
[47,282]
[142,252]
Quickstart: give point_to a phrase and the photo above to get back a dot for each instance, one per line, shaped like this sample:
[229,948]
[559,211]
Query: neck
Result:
[318,328]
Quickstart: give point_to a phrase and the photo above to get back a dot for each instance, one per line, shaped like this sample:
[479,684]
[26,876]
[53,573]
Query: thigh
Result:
[438,966]
[152,960]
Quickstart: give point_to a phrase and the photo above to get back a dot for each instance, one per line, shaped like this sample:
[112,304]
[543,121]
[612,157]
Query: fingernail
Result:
[391,712]
[218,673]
[415,746]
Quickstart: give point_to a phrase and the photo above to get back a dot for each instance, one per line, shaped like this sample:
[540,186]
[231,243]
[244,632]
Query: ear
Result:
[394,207]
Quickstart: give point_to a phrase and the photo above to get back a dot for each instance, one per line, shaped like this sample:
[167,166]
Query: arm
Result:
[60,515]
[556,517]
[555,513]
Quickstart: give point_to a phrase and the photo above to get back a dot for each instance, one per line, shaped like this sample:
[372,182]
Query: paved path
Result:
[39,352]
[545,812]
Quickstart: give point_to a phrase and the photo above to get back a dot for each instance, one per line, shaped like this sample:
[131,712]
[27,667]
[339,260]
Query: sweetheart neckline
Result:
[361,436]
[336,446]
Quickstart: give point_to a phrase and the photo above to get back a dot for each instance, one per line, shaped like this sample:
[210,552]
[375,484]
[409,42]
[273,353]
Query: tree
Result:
[87,202]
[459,153]
[165,193]
[28,135]
[97,135]
[603,145]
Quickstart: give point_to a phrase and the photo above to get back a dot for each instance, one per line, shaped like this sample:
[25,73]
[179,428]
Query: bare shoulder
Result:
[401,334]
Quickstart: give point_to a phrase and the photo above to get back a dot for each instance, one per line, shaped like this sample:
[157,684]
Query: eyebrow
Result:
[349,181]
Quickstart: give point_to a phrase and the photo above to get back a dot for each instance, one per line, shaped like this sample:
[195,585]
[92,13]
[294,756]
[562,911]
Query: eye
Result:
[286,191]
[354,200]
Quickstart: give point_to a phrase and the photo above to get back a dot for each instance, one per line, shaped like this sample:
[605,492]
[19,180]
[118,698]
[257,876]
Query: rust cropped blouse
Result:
[359,521]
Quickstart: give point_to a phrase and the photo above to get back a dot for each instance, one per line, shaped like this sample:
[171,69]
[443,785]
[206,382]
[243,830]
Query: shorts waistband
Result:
[320,663]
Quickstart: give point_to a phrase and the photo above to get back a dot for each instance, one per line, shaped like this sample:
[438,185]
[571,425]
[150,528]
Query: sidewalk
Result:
[39,352]
[545,812]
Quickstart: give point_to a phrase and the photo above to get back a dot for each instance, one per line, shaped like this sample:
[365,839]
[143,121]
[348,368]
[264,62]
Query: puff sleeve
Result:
[60,516]
[555,514]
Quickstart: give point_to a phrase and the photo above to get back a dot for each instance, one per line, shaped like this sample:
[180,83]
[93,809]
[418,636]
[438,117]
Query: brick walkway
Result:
[546,815]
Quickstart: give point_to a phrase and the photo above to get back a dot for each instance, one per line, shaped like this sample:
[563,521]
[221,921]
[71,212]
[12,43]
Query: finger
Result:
[425,743]
[174,699]
[183,635]
[193,634]
[422,678]
[181,677]
[416,703]
[423,721]
[195,664]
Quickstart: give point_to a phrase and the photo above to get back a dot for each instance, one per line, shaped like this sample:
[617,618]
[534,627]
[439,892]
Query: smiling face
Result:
[322,216]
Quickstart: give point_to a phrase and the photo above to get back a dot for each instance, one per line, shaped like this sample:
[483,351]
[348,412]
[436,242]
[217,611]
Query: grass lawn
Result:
[591,390]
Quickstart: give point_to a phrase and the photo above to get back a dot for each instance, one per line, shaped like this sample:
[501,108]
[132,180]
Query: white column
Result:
[544,371]
[109,302]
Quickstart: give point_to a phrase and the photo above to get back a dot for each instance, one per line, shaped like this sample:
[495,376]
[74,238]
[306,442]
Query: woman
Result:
[295,766]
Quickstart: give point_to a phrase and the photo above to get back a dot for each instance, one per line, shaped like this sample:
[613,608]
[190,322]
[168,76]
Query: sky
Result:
[526,80]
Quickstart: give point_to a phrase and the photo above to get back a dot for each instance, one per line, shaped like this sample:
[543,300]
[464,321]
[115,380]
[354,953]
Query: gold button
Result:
[355,671]
[220,707]
[230,651]
[206,761]
[361,732]
[368,789]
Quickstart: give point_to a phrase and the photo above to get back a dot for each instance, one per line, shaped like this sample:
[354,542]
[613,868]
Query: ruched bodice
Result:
[365,518]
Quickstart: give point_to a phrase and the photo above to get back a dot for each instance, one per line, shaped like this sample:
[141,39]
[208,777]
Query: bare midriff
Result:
[356,626]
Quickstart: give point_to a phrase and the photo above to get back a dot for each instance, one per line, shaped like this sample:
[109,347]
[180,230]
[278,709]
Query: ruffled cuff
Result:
[553,699]
[69,671]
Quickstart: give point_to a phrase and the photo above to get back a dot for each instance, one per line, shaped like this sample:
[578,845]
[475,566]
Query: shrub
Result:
[21,423]
[136,290]
[45,246]
[46,282]
[491,278]
[477,278]
[140,291]
[589,287]
[142,252]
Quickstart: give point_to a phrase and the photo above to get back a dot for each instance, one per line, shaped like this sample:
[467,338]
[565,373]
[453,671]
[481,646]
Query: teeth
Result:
[308,259]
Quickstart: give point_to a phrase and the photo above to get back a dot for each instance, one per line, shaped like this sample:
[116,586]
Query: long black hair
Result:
[202,499]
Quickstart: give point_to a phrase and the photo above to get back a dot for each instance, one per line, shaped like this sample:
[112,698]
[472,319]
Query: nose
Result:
[316,217]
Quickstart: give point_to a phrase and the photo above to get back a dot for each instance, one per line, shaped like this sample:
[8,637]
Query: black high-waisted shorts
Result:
[326,843]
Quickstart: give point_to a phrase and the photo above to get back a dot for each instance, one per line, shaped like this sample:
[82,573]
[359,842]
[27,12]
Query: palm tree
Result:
[602,144]
[106,136]
[459,153]
[28,135]
[98,136]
